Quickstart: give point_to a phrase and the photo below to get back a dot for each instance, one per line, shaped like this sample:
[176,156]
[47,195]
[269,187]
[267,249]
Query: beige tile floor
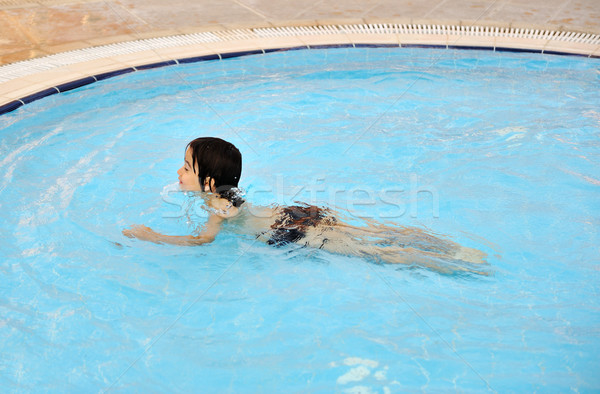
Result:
[30,29]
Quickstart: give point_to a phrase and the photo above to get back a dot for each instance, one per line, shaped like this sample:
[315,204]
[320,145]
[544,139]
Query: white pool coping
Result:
[23,79]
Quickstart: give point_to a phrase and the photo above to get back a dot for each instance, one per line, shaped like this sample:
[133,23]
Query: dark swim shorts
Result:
[292,223]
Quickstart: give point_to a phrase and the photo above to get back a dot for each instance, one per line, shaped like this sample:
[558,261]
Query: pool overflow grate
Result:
[407,34]
[361,35]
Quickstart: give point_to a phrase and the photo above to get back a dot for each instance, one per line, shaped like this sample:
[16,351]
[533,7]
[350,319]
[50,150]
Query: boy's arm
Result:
[213,225]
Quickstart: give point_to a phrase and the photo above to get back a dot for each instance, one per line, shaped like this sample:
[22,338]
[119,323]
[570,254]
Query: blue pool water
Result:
[496,151]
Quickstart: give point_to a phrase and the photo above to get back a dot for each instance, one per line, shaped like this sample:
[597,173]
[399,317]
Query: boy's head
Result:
[216,163]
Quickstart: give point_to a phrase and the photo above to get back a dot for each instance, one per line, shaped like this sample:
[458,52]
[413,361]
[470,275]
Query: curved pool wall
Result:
[24,82]
[95,309]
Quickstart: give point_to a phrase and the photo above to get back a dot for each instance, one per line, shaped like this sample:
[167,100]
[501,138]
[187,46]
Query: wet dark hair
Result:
[221,161]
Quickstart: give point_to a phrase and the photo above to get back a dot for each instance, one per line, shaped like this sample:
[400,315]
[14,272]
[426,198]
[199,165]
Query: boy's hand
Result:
[142,232]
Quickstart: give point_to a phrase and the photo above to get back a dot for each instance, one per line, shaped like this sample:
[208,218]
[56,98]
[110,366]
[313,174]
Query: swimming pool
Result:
[498,151]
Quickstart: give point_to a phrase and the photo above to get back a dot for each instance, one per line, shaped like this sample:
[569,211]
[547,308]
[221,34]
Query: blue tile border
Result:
[39,95]
[116,73]
[243,53]
[471,48]
[376,45]
[9,107]
[518,50]
[287,49]
[423,46]
[13,105]
[156,65]
[331,46]
[197,59]
[569,54]
[65,87]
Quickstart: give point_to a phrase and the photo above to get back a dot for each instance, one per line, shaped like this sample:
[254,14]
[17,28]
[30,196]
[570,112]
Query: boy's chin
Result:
[185,188]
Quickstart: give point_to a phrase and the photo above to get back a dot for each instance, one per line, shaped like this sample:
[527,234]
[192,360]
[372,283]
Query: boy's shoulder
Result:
[223,208]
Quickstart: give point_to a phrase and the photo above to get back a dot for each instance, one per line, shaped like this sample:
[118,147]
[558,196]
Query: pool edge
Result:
[69,70]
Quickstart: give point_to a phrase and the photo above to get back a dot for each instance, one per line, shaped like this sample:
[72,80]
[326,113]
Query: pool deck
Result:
[42,29]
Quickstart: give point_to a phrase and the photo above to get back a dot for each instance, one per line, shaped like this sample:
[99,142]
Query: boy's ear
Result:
[209,184]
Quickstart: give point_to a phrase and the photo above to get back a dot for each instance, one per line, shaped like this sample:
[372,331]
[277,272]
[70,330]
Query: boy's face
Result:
[188,178]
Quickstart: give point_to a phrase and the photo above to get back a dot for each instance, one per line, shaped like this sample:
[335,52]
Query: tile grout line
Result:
[250,9]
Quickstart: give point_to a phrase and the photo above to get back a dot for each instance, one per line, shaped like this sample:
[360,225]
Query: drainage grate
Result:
[405,35]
